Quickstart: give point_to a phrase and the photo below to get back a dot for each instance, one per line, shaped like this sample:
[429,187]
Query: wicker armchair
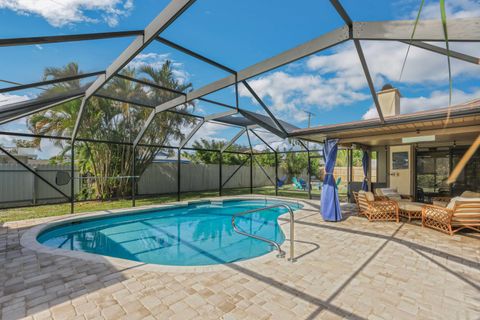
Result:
[464,215]
[374,209]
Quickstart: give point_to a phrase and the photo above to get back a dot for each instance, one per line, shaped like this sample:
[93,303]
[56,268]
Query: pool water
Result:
[197,234]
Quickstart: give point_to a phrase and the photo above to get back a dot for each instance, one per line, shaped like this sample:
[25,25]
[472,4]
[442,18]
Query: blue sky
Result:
[331,84]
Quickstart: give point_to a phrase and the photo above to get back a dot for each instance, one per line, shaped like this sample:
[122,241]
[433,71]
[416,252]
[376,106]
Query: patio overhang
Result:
[460,123]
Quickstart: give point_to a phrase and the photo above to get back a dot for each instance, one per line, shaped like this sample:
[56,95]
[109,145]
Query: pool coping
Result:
[29,238]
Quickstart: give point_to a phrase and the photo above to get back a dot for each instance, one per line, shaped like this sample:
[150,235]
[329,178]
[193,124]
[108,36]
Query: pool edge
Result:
[29,238]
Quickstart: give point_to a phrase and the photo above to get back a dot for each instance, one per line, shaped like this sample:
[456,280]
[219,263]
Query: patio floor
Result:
[354,269]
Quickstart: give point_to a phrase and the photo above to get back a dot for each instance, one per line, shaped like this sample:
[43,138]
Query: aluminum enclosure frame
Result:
[465,30]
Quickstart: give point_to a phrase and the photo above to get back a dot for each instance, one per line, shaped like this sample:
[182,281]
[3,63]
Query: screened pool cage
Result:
[149,137]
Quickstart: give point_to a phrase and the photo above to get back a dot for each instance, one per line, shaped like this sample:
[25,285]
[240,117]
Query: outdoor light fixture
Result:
[418,139]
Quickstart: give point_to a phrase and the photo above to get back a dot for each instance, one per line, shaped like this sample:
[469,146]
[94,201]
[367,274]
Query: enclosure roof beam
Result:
[234,139]
[68,38]
[318,44]
[303,144]
[195,55]
[263,124]
[361,56]
[249,142]
[28,113]
[168,15]
[342,12]
[154,85]
[220,115]
[261,139]
[191,134]
[264,106]
[443,51]
[149,83]
[79,119]
[140,104]
[464,30]
[144,128]
[52,81]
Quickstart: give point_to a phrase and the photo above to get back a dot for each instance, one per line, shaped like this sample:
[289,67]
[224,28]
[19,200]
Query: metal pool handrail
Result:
[281,253]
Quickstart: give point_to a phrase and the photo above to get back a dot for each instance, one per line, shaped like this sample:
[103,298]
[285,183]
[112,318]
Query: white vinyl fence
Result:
[19,186]
[160,178]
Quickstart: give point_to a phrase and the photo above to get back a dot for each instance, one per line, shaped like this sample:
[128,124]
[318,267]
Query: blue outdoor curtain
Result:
[365,170]
[329,202]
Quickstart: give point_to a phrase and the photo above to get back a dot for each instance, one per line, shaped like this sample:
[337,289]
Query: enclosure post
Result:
[309,172]
[251,173]
[133,177]
[178,173]
[220,160]
[349,174]
[72,179]
[276,173]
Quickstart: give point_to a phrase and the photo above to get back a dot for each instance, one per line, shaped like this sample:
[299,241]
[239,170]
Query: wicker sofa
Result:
[461,213]
[375,208]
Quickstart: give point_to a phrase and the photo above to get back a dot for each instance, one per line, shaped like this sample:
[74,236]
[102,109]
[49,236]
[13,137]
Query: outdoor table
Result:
[410,210]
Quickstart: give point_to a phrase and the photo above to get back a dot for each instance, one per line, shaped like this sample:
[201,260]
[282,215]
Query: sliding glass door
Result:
[433,168]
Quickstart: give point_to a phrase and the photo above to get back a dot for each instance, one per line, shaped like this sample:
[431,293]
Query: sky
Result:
[330,85]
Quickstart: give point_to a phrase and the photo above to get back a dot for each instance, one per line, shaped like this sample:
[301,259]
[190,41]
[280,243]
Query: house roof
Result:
[458,119]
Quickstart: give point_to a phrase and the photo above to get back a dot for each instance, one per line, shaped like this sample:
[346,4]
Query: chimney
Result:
[389,100]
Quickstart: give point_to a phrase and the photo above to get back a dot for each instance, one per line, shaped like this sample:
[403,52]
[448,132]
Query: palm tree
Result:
[112,120]
[60,120]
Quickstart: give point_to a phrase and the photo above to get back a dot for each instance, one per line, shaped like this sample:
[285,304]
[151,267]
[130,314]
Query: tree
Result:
[106,119]
[295,163]
[209,157]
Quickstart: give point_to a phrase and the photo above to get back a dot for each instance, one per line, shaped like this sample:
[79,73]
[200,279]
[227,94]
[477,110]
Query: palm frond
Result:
[443,13]
[411,38]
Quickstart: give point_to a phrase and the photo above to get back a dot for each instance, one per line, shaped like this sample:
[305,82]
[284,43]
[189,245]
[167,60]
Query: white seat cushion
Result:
[470,194]
[386,191]
[451,204]
[368,195]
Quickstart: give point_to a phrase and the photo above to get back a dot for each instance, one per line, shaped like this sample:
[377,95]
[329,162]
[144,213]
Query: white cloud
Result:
[290,94]
[64,12]
[338,79]
[152,59]
[11,98]
[437,99]
[6,141]
[454,9]
[385,61]
[211,131]
[156,60]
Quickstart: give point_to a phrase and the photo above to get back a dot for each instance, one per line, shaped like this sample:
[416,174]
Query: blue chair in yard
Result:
[299,184]
[281,181]
[339,180]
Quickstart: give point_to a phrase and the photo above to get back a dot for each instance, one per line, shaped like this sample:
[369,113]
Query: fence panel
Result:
[19,187]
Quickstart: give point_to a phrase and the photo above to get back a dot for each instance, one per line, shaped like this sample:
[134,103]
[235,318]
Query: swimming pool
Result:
[192,235]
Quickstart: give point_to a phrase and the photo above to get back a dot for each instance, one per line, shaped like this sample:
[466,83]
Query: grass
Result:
[41,211]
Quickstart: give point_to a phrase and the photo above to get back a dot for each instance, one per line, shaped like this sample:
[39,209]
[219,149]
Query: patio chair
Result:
[298,185]
[281,181]
[339,180]
[376,210]
[303,183]
[461,213]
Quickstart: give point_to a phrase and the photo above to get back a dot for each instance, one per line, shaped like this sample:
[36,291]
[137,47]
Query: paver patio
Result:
[353,269]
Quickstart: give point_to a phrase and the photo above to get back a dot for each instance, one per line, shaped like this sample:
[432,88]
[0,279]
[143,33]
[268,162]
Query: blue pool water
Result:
[197,234]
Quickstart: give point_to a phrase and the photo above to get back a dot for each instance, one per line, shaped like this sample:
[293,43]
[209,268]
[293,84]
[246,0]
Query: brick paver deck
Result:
[353,269]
